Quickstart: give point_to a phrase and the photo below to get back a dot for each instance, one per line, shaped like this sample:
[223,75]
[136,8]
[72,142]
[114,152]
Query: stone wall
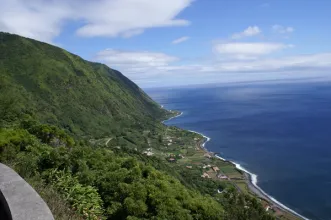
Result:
[20,198]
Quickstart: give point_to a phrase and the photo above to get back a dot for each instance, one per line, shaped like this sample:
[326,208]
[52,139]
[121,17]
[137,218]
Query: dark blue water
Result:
[282,133]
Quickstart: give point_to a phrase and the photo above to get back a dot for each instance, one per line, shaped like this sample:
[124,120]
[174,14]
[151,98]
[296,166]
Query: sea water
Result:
[279,132]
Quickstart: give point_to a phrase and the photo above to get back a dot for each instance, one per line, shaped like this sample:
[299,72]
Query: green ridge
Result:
[60,88]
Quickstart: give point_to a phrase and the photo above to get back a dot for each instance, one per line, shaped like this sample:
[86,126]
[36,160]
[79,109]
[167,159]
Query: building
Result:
[206,166]
[207,155]
[267,207]
[148,152]
[216,169]
[205,175]
[222,177]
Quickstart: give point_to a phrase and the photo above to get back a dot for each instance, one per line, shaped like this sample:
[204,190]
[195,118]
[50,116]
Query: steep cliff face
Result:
[60,88]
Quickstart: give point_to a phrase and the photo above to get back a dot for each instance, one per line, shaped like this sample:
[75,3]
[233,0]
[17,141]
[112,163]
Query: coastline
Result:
[181,113]
[251,178]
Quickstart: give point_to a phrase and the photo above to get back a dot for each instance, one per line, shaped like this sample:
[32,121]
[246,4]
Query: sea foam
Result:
[253,179]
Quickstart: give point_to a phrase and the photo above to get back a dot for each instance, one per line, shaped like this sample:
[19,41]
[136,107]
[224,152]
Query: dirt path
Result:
[108,141]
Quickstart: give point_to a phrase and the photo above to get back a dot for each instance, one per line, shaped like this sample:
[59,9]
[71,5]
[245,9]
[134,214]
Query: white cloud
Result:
[143,64]
[145,67]
[282,30]
[249,32]
[116,17]
[31,19]
[248,50]
[314,61]
[43,20]
[136,61]
[305,67]
[180,40]
[132,33]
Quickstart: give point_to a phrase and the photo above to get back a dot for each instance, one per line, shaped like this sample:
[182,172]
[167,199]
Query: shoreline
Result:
[181,113]
[250,177]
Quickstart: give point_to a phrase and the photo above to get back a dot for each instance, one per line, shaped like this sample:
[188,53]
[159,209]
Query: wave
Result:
[253,177]
[206,138]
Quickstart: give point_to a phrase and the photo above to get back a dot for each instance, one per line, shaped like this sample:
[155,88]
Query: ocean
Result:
[279,132]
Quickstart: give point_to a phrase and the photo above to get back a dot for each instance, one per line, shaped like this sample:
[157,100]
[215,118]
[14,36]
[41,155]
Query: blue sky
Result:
[180,42]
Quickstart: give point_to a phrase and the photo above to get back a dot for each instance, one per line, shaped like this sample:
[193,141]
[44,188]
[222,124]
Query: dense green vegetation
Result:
[97,182]
[62,89]
[77,132]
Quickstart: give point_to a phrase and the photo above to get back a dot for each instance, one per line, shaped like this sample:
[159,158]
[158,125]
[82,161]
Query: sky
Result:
[160,43]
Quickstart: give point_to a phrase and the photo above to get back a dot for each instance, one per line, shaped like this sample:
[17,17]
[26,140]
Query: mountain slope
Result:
[52,102]
[61,88]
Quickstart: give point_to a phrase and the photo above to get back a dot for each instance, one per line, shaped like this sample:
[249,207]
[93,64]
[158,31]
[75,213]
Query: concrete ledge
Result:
[23,201]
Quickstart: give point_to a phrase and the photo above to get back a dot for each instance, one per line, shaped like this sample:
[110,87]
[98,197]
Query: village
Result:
[188,153]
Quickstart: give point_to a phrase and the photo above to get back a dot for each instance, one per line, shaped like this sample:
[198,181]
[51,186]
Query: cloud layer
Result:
[248,50]
[43,20]
[267,65]
[234,59]
[135,62]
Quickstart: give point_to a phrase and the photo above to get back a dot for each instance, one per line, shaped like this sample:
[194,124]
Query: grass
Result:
[242,186]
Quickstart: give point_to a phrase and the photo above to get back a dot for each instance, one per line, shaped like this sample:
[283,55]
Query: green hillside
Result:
[91,143]
[60,88]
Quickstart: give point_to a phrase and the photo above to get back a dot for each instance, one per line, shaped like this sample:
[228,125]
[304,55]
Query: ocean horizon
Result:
[276,132]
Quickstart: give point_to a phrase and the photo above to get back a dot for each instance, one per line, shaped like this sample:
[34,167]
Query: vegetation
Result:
[98,183]
[87,99]
[88,138]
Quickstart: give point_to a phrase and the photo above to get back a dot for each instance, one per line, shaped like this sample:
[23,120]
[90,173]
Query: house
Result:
[205,175]
[189,167]
[206,166]
[172,160]
[207,155]
[148,152]
[267,207]
[222,177]
[216,169]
